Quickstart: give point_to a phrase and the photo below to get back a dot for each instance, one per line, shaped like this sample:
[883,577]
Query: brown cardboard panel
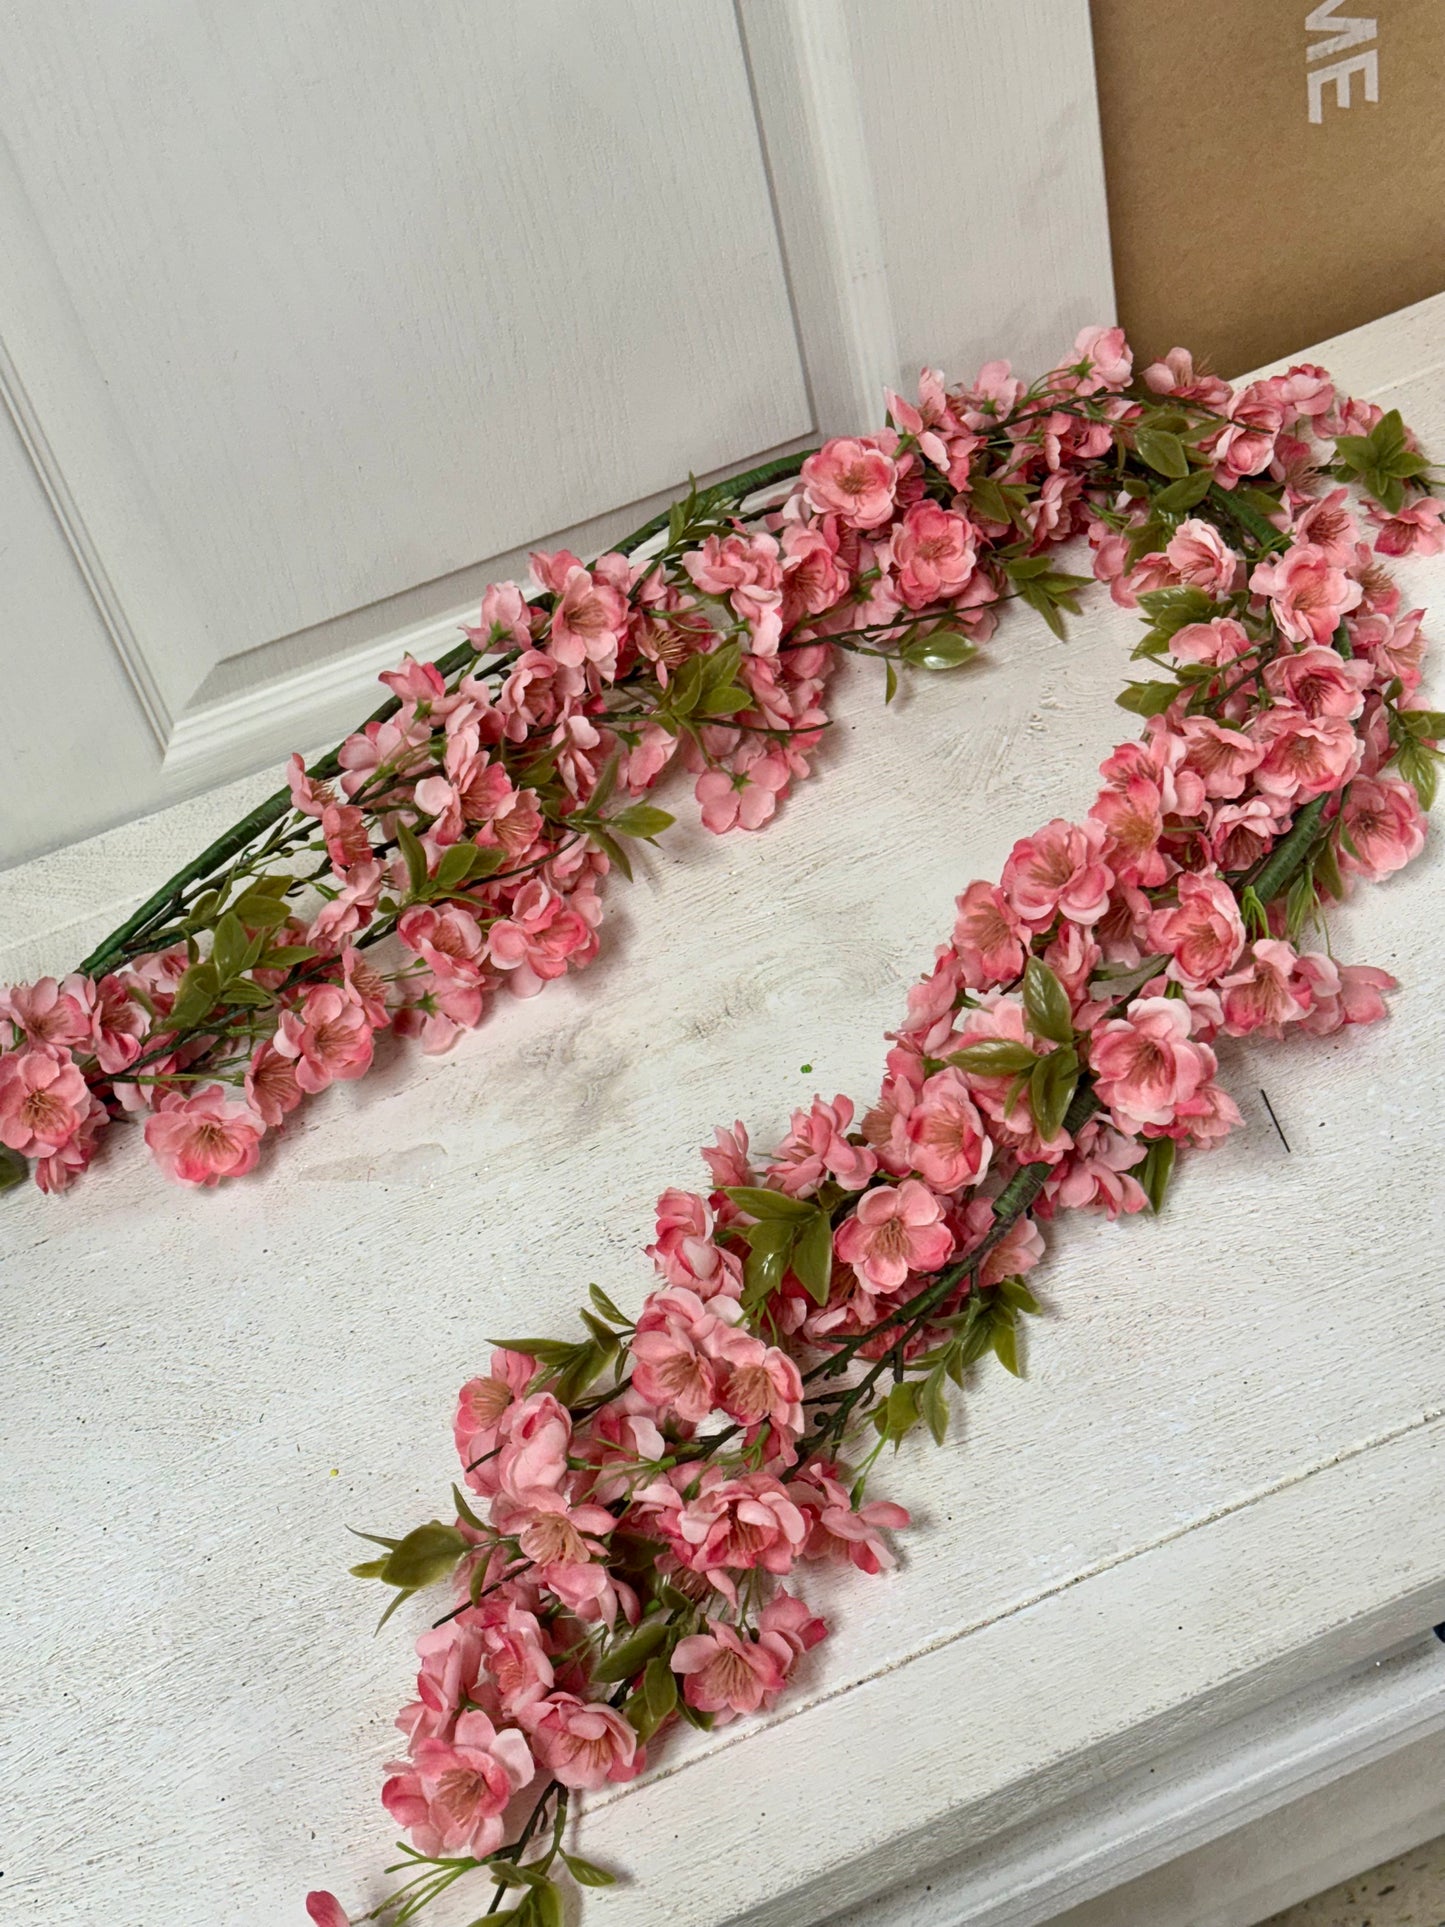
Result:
[1242,227]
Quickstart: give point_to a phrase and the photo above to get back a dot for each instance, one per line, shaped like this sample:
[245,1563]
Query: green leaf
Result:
[659,1688]
[1147,539]
[1016,1293]
[896,1417]
[415,856]
[368,1569]
[1147,698]
[547,1905]
[1154,1173]
[640,819]
[994,1057]
[251,996]
[13,1168]
[1170,610]
[509,1873]
[728,699]
[262,905]
[553,1352]
[987,499]
[613,851]
[228,951]
[1301,905]
[934,1402]
[1004,1340]
[632,1654]
[1162,451]
[890,682]
[587,1873]
[605,1305]
[770,1246]
[577,1375]
[1185,493]
[1327,871]
[1418,767]
[1051,1089]
[427,1553]
[940,649]
[761,1203]
[196,996]
[464,1511]
[813,1257]
[455,866]
[286,956]
[1047,1003]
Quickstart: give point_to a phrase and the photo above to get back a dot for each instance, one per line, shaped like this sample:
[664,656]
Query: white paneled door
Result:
[316,314]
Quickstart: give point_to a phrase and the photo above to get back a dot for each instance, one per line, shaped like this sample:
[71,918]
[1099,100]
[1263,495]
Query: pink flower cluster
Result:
[632,1555]
[469,826]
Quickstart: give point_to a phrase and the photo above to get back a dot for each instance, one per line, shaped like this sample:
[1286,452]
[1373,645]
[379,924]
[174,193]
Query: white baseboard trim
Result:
[1224,1830]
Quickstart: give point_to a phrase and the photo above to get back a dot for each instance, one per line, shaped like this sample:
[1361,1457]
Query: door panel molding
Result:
[841,188]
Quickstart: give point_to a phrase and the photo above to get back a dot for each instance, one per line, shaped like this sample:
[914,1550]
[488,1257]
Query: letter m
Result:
[1345,30]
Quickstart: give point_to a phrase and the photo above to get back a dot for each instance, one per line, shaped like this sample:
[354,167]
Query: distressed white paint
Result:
[316,316]
[1220,1485]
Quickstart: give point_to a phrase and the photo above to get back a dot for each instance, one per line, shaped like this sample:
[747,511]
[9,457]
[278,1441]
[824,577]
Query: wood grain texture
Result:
[1222,1478]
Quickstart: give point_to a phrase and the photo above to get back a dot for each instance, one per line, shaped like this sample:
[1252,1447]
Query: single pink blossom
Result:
[989,937]
[1416,529]
[1217,641]
[725,1673]
[203,1138]
[1304,756]
[1110,358]
[47,1012]
[532,1464]
[1319,682]
[453,1796]
[933,554]
[839,1532]
[1200,557]
[328,1036]
[1266,991]
[853,479]
[43,1099]
[582,1744]
[1222,758]
[1059,871]
[892,1232]
[271,1087]
[481,1405]
[1307,593]
[1203,933]
[57,1169]
[745,795]
[1385,826]
[947,1142]
[1145,1063]
[589,620]
[817,1147]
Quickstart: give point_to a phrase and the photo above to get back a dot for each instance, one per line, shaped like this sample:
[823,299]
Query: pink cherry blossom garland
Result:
[471,823]
[617,1555]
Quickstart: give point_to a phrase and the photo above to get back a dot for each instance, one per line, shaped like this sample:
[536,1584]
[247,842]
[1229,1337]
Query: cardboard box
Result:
[1276,168]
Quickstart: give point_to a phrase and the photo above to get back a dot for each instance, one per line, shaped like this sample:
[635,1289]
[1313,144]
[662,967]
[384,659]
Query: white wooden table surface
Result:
[1222,1483]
